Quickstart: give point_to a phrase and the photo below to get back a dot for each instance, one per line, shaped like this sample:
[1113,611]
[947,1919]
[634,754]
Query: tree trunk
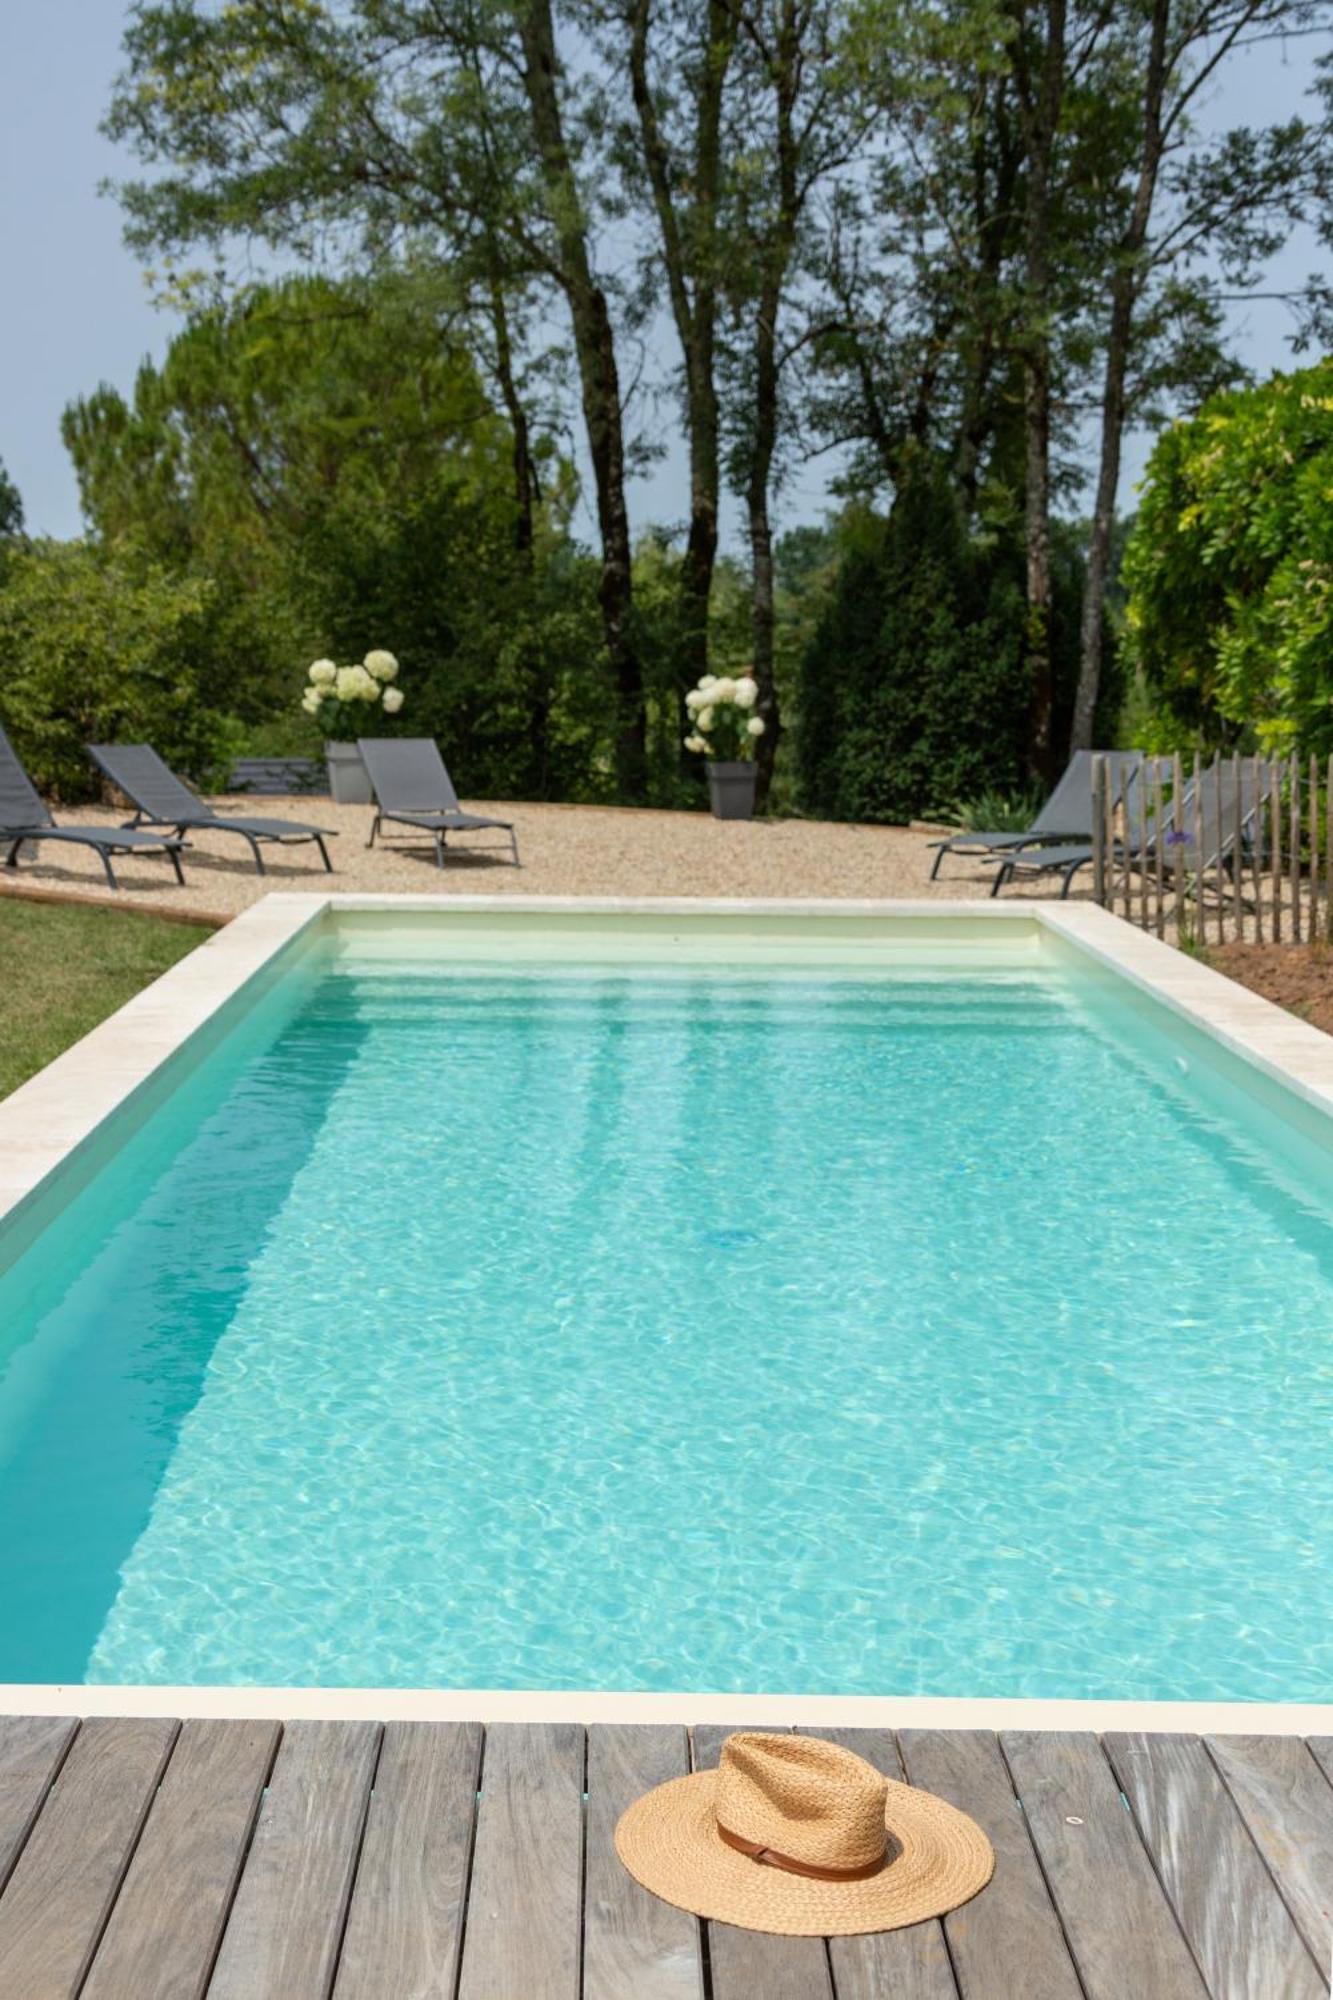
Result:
[775,259]
[689,257]
[761,540]
[594,346]
[1041,93]
[525,477]
[1120,332]
[1103,513]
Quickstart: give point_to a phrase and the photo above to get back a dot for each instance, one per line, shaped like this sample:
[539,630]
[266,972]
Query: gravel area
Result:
[566,851]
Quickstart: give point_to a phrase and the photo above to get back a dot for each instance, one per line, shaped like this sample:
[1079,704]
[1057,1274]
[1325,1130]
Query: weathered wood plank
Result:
[1007,1940]
[65,1881]
[32,1749]
[405,1926]
[525,1907]
[1286,1801]
[911,1964]
[1122,1931]
[746,1964]
[633,1943]
[281,1940]
[164,1931]
[1237,1925]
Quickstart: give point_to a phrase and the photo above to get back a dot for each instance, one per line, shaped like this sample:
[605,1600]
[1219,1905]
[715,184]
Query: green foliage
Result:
[325,456]
[11,507]
[1230,567]
[996,812]
[103,646]
[913,688]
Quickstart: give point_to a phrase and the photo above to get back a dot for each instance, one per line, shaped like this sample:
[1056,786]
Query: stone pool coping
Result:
[52,1121]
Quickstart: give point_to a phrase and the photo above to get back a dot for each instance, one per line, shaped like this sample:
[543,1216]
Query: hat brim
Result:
[939,1858]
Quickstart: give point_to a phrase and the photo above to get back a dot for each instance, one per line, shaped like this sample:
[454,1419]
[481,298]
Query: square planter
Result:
[731,789]
[349,781]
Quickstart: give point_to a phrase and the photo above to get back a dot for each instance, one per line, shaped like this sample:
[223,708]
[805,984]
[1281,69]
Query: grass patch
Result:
[67,969]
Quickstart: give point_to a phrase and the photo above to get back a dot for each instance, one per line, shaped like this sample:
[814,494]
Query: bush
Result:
[99,647]
[1230,567]
[913,690]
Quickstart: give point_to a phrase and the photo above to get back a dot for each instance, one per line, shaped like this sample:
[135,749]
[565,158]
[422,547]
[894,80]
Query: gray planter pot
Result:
[349,781]
[731,790]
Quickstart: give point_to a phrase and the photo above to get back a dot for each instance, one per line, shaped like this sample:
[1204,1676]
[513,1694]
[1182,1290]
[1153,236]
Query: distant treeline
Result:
[960,243]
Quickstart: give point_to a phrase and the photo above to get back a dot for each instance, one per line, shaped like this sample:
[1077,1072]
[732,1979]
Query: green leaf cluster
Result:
[102,646]
[1229,569]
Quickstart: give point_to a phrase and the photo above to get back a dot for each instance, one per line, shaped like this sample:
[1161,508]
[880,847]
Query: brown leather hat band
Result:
[770,1858]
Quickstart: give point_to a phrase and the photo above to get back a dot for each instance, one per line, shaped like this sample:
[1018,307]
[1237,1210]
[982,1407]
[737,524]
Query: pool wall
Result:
[57,1129]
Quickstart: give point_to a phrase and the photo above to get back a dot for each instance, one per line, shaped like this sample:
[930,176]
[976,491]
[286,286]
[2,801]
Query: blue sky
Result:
[77,311]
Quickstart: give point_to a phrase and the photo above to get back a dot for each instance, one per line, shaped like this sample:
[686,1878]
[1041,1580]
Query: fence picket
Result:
[1178,845]
[1219,858]
[1294,806]
[1328,854]
[1275,779]
[1159,844]
[1237,846]
[1199,865]
[1313,851]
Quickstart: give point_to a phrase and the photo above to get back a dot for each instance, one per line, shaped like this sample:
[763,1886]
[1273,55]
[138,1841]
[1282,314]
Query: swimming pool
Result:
[880,1307]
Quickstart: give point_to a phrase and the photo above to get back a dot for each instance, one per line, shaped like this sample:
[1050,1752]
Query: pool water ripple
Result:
[658,1330]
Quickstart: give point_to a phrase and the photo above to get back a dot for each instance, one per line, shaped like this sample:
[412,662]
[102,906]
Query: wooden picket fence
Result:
[1240,849]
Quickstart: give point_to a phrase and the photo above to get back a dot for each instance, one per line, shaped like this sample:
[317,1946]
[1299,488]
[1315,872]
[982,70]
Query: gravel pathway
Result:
[566,851]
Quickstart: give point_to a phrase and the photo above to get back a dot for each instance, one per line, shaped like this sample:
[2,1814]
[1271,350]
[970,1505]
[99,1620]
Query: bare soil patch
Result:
[1298,977]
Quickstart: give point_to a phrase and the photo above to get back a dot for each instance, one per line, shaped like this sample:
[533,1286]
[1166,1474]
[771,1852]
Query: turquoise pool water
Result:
[473,1325]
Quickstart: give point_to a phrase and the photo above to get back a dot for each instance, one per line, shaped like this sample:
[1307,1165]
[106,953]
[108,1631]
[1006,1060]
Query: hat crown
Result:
[802,1797]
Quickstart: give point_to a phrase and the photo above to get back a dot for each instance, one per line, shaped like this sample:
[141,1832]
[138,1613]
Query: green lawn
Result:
[64,970]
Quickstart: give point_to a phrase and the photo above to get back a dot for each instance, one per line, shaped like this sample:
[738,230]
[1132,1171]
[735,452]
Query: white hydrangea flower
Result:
[310,701]
[381,666]
[695,699]
[323,673]
[347,683]
[746,692]
[725,689]
[755,726]
[704,719]
[695,743]
[393,700]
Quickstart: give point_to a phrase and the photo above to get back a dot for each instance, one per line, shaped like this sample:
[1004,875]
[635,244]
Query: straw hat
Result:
[796,1835]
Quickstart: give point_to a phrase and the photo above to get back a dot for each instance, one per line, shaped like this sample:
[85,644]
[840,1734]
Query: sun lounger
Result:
[25,816]
[413,788]
[163,799]
[1203,840]
[1066,817]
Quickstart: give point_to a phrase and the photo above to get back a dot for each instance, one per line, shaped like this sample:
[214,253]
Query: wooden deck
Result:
[155,1860]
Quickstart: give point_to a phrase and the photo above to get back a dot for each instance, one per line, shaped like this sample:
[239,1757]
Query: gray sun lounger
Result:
[160,798]
[1065,818]
[25,816]
[1215,839]
[413,788]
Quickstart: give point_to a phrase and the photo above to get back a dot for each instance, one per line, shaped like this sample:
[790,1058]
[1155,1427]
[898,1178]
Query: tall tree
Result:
[437,124]
[1039,56]
[801,123]
[676,56]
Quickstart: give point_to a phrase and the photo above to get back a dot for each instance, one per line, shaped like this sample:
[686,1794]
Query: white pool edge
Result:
[744,1711]
[58,1112]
